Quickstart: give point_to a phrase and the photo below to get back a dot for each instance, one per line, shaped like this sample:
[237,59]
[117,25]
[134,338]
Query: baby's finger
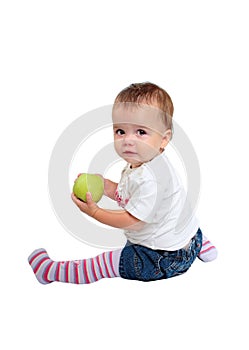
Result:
[75,199]
[89,198]
[77,177]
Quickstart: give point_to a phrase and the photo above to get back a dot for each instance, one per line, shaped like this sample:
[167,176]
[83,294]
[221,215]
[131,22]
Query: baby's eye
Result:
[141,132]
[119,132]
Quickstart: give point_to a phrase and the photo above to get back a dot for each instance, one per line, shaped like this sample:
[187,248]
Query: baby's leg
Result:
[208,250]
[77,271]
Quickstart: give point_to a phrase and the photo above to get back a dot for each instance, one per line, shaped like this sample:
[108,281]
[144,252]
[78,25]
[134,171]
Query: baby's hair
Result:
[148,93]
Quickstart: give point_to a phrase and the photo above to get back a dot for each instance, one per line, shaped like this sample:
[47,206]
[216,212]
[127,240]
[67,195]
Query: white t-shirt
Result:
[154,194]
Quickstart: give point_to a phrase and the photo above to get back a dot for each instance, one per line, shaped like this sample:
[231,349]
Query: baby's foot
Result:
[208,251]
[41,264]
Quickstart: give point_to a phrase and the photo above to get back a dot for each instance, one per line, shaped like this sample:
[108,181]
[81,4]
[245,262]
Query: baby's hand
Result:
[89,208]
[109,187]
[78,176]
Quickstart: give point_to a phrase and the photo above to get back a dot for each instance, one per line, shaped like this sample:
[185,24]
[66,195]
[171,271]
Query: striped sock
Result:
[208,251]
[77,271]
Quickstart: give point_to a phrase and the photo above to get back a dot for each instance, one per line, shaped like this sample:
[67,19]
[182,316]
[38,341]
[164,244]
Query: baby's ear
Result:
[166,138]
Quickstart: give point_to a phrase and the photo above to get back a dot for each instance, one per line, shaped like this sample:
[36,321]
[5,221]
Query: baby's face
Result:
[139,132]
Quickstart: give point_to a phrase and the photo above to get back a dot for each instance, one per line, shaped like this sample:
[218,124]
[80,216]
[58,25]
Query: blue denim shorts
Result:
[145,264]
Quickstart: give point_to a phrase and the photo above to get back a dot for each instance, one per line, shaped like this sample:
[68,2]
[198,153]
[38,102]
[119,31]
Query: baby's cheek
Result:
[150,151]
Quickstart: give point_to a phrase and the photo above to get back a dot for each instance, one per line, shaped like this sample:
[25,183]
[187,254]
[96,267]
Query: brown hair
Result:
[151,94]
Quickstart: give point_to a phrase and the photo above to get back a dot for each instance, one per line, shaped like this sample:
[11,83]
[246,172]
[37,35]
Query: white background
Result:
[60,59]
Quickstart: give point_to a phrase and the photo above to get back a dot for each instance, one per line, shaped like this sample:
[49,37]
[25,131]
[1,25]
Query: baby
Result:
[163,234]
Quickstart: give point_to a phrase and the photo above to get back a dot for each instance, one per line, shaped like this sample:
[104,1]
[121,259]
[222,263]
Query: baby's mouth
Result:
[129,152]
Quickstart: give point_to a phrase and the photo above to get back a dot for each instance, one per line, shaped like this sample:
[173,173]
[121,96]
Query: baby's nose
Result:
[129,139]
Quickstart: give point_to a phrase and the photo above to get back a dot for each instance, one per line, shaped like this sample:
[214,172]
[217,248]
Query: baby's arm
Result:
[118,218]
[110,188]
[115,218]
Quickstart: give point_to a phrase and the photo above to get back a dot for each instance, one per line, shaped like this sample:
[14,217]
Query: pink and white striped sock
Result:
[76,271]
[208,251]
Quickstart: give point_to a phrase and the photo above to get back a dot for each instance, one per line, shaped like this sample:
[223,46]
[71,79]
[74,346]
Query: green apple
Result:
[89,183]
